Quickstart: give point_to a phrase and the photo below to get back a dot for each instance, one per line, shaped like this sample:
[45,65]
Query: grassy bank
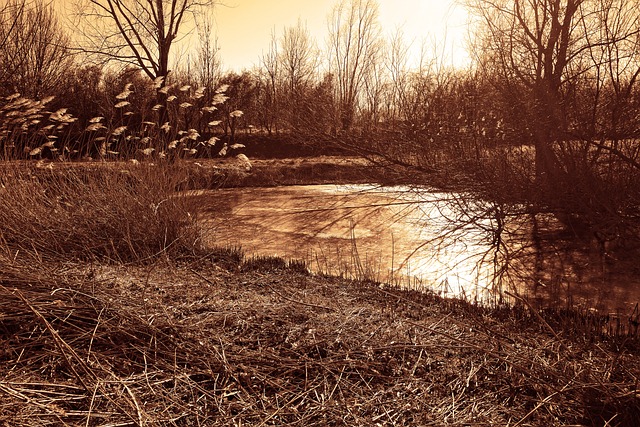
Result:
[209,341]
[112,314]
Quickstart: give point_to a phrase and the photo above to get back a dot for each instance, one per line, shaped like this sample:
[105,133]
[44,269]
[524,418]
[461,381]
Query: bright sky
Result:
[244,27]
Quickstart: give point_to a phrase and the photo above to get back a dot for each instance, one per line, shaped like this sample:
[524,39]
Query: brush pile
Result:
[201,343]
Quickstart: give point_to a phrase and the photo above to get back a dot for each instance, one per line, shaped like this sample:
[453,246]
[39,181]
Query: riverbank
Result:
[213,340]
[233,172]
[112,313]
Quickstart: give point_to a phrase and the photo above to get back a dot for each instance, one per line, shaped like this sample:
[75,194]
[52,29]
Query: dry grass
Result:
[121,213]
[231,172]
[214,340]
[197,344]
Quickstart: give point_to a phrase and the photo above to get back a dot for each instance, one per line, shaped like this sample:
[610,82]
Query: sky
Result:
[244,27]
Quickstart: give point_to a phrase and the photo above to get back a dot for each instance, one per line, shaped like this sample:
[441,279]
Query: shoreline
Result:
[194,337]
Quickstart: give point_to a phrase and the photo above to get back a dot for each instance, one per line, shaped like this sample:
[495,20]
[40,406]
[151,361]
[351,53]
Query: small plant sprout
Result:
[193,134]
[219,98]
[93,127]
[157,82]
[58,116]
[165,89]
[199,93]
[244,161]
[47,99]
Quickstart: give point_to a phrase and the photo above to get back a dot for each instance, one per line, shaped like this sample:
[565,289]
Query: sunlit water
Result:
[413,238]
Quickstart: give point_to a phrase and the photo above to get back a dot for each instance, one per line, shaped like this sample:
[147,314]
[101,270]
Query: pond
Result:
[421,239]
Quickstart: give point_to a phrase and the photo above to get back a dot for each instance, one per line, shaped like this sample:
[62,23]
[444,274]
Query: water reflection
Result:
[448,243]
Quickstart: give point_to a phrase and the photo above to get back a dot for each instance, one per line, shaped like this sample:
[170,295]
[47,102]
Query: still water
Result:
[419,239]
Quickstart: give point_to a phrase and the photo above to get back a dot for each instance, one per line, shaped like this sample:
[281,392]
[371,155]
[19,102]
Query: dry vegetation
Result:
[202,344]
[111,315]
[117,212]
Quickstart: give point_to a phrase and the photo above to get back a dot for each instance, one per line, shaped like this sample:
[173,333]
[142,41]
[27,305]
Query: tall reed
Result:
[109,211]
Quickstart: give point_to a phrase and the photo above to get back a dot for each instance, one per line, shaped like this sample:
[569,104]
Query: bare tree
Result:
[270,87]
[34,52]
[298,56]
[396,61]
[566,73]
[614,68]
[298,59]
[532,42]
[375,91]
[354,42]
[138,32]
[208,63]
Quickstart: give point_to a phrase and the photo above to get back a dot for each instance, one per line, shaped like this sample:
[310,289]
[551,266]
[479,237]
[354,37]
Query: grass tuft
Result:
[273,263]
[198,345]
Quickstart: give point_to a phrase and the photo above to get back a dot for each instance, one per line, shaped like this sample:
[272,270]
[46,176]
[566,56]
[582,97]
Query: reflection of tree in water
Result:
[510,249]
[450,242]
[537,257]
